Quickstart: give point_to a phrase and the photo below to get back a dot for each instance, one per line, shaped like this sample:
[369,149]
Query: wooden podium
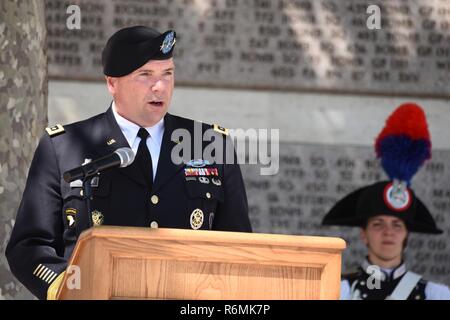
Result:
[144,263]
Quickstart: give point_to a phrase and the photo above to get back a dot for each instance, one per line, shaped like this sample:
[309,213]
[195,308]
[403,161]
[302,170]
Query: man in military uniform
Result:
[386,212]
[153,191]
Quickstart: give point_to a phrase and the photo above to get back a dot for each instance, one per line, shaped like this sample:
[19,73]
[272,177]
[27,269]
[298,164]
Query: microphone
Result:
[122,157]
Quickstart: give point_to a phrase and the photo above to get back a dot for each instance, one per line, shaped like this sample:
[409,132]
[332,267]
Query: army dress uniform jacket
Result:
[52,213]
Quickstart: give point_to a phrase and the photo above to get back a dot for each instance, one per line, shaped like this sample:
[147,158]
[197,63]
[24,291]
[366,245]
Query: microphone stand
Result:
[87,194]
[90,171]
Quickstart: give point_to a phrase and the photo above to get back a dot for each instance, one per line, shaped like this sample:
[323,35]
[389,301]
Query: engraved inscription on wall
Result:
[312,178]
[274,44]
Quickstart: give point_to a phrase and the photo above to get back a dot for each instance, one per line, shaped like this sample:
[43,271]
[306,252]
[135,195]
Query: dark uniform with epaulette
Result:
[52,213]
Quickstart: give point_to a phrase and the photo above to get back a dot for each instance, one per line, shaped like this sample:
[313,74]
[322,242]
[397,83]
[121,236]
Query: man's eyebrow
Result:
[151,71]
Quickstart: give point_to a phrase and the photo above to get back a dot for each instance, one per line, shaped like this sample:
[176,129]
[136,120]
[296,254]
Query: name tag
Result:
[78,183]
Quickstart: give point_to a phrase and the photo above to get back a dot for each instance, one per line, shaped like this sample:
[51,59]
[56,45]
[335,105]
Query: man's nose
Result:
[388,230]
[157,86]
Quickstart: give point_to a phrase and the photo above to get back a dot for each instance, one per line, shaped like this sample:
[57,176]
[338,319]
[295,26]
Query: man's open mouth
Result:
[156,103]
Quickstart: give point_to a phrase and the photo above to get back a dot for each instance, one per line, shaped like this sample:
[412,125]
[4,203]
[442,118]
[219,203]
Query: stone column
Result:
[23,114]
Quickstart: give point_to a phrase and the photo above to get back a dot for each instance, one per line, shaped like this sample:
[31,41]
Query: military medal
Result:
[203,180]
[199,163]
[97,218]
[201,172]
[196,219]
[211,171]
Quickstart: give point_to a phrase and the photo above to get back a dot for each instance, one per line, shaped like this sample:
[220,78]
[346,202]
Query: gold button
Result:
[154,224]
[154,199]
[81,192]
[208,195]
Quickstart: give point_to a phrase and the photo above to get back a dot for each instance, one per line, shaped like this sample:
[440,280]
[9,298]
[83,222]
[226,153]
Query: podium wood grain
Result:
[140,263]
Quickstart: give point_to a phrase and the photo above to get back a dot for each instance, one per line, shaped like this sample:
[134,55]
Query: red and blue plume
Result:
[404,143]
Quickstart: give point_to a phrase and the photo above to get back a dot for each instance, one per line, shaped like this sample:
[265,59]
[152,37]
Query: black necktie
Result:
[144,159]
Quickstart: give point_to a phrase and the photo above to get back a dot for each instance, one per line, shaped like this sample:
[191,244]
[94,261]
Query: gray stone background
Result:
[278,44]
[308,68]
[23,114]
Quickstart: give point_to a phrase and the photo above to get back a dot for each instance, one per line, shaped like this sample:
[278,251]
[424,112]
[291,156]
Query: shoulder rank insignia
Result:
[55,130]
[220,129]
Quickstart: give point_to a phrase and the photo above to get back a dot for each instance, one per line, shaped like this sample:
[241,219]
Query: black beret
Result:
[373,200]
[131,48]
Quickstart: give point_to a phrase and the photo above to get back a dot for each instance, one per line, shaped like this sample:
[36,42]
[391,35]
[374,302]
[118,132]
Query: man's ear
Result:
[111,84]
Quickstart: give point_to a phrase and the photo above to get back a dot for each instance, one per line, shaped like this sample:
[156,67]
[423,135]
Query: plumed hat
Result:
[402,146]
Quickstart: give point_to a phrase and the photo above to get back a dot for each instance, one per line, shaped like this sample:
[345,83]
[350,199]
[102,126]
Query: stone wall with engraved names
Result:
[320,45]
[312,178]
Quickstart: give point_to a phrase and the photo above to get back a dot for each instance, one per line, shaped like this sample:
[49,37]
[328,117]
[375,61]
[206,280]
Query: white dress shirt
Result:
[130,131]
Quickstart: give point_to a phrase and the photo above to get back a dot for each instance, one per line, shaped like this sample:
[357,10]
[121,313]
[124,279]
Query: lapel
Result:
[166,168]
[111,132]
